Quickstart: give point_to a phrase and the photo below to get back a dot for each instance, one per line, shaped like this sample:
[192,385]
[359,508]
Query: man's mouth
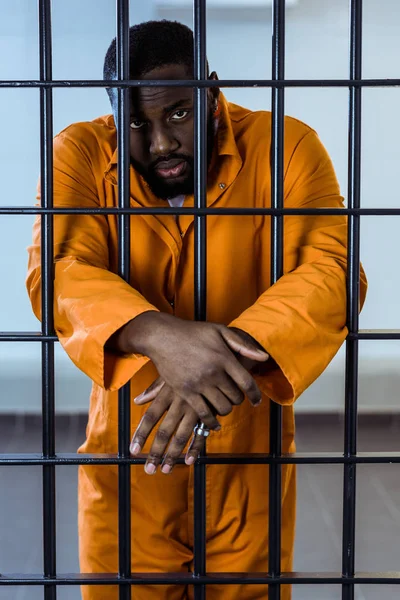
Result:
[171,169]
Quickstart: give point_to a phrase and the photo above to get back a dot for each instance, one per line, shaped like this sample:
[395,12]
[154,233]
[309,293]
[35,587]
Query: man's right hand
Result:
[196,360]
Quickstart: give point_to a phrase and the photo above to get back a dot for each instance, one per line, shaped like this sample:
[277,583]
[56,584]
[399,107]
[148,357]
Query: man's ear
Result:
[214,92]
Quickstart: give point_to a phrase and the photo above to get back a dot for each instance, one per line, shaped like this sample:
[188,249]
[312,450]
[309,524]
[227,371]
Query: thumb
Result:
[244,345]
[151,392]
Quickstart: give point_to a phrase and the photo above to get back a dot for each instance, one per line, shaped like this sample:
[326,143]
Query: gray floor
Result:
[318,545]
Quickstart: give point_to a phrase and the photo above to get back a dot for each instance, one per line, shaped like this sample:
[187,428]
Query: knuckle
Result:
[162,435]
[180,440]
[249,386]
[153,456]
[209,371]
[189,385]
[204,413]
[149,418]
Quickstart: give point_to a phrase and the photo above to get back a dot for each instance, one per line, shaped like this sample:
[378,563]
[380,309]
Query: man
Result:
[260,342]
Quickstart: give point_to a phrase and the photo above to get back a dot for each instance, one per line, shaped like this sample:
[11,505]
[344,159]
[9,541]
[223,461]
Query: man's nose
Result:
[162,142]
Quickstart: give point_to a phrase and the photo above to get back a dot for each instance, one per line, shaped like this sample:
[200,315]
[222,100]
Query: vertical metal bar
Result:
[124,474]
[277,195]
[48,408]
[200,269]
[353,299]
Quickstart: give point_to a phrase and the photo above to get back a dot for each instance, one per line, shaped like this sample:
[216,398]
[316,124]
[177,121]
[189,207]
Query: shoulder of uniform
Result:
[96,132]
[97,137]
[259,123]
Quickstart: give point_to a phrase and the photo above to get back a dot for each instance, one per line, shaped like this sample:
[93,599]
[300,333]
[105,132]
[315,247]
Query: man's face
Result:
[162,133]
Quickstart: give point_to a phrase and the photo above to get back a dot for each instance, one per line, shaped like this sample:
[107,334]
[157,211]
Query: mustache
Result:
[173,156]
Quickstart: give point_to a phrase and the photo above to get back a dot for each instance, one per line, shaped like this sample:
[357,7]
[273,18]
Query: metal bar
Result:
[20,210]
[353,300]
[209,83]
[277,194]
[181,578]
[362,334]
[47,297]
[200,267]
[124,419]
[306,458]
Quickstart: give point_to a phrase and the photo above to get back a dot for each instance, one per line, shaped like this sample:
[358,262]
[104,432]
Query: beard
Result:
[169,189]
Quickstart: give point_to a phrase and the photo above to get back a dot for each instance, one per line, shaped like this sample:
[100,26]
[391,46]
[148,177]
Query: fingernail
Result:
[258,403]
[190,460]
[166,469]
[150,469]
[138,398]
[135,448]
[217,428]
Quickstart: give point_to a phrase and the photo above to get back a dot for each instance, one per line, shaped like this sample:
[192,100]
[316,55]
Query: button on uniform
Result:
[222,186]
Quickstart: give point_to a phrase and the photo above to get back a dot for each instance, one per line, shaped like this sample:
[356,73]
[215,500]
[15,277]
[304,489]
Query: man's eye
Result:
[137,124]
[180,114]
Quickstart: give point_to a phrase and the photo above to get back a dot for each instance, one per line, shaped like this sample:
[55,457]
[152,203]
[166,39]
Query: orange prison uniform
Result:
[300,321]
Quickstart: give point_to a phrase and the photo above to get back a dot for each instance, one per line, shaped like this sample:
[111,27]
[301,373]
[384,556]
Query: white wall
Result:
[238,46]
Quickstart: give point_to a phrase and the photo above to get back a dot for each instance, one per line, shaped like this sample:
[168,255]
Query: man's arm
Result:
[301,319]
[91,302]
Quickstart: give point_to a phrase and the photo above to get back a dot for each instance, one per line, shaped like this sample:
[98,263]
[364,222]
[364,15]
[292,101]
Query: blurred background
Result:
[239,46]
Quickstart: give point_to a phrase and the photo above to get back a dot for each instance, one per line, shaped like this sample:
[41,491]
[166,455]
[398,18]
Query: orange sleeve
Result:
[301,319]
[90,301]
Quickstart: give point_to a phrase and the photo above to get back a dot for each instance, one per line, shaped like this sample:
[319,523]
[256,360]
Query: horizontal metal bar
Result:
[143,210]
[376,334]
[308,458]
[317,578]
[26,336]
[208,83]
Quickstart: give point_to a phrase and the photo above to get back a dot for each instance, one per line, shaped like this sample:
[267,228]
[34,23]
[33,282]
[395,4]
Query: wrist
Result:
[136,336]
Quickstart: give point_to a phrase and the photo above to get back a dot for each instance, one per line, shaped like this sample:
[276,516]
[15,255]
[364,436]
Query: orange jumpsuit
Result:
[300,321]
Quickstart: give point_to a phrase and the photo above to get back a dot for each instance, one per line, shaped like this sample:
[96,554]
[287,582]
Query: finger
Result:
[149,420]
[231,391]
[218,400]
[151,393]
[244,381]
[163,436]
[204,411]
[243,347]
[196,446]
[179,441]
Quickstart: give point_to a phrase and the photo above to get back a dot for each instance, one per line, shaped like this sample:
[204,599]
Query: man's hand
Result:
[174,432]
[204,368]
[197,360]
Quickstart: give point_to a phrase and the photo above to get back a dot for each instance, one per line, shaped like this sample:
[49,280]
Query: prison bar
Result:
[124,259]
[48,389]
[383,212]
[277,193]
[200,271]
[353,302]
[305,458]
[362,334]
[308,578]
[247,83]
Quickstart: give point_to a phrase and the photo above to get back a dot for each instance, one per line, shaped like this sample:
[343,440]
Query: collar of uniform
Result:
[224,167]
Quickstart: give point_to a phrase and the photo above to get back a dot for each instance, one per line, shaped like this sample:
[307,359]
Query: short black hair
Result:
[152,44]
